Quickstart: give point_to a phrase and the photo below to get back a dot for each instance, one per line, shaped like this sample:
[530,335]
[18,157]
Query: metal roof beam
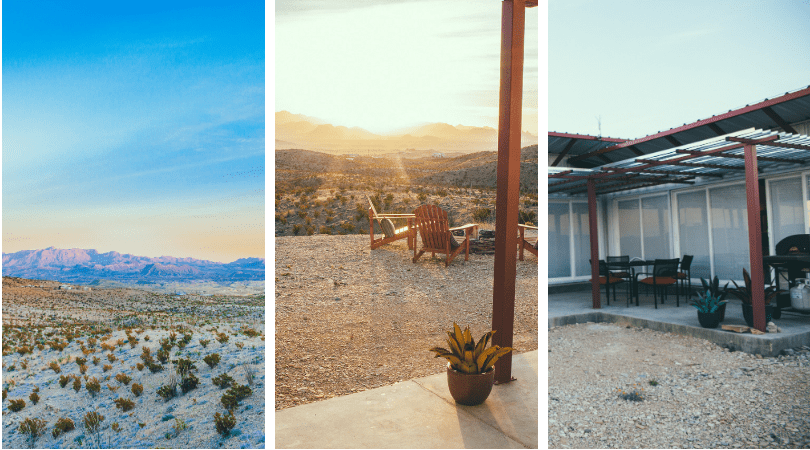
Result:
[674,172]
[788,145]
[779,120]
[673,141]
[563,153]
[759,158]
[716,128]
[686,164]
[561,174]
[640,183]
[635,150]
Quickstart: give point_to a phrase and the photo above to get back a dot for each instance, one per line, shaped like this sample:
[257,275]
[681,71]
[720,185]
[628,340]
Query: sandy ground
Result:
[350,319]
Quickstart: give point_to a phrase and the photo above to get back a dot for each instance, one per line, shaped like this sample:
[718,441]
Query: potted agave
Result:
[744,294]
[470,372]
[711,305]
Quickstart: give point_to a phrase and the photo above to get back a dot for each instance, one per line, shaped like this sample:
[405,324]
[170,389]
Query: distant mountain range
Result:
[297,131]
[89,266]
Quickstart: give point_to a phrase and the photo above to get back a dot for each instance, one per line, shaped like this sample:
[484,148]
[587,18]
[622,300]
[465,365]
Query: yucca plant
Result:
[713,297]
[744,293]
[467,356]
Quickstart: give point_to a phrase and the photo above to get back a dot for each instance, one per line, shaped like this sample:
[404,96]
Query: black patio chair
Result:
[663,276]
[623,263]
[608,280]
[684,275]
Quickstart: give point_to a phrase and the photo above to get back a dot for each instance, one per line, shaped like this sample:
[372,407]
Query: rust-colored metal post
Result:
[508,182]
[754,236]
[593,224]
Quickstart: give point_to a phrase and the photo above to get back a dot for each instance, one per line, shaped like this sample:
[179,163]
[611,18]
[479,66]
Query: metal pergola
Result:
[749,151]
[513,21]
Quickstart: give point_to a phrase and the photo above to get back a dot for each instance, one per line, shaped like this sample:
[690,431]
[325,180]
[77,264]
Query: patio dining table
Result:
[633,274]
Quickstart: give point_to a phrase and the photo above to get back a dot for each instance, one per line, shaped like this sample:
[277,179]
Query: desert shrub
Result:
[92,342]
[250,332]
[16,405]
[154,368]
[63,425]
[34,398]
[325,230]
[481,214]
[56,369]
[421,196]
[40,347]
[83,369]
[166,345]
[34,428]
[92,423]
[81,361]
[189,383]
[106,367]
[124,404]
[186,338]
[115,427]
[120,342]
[224,423]
[140,366]
[347,226]
[163,355]
[526,216]
[93,386]
[181,344]
[212,360]
[222,381]
[59,346]
[63,380]
[222,338]
[239,345]
[204,342]
[137,389]
[297,227]
[310,231]
[96,360]
[167,392]
[5,394]
[23,350]
[146,338]
[111,358]
[184,366]
[108,347]
[122,378]
[146,355]
[111,387]
[234,395]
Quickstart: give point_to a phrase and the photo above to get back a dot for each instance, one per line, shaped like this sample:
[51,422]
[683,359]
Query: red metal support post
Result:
[754,236]
[594,233]
[508,182]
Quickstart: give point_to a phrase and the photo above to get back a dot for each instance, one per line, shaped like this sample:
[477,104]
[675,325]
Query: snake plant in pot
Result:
[470,367]
[744,294]
[711,303]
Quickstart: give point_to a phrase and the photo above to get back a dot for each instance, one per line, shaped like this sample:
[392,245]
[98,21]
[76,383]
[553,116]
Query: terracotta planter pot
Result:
[470,389]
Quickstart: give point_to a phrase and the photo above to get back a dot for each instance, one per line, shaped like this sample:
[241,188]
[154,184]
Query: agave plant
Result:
[467,356]
[744,293]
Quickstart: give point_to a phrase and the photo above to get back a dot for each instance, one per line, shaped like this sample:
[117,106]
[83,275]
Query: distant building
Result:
[65,287]
[438,155]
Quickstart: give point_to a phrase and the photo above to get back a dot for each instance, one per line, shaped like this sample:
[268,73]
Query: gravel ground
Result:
[705,397]
[350,319]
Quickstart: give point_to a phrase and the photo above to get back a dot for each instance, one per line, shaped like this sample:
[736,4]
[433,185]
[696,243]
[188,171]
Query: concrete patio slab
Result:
[511,408]
[576,307]
[419,414]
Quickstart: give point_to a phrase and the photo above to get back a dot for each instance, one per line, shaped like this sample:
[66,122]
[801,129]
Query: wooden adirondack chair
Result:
[525,244]
[437,236]
[390,233]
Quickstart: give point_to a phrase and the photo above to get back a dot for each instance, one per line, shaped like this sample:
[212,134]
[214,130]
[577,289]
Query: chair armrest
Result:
[464,227]
[529,227]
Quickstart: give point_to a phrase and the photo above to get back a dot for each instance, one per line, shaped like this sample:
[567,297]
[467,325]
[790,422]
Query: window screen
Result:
[787,213]
[729,232]
[655,217]
[629,229]
[559,243]
[693,230]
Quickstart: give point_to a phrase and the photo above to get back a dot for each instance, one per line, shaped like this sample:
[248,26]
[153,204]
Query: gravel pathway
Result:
[695,393]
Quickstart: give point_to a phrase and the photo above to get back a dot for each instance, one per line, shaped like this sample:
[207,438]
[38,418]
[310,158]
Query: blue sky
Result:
[646,67]
[385,65]
[134,127]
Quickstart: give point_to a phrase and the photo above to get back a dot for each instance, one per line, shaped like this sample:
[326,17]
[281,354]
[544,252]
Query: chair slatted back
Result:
[665,267]
[433,226]
[686,262]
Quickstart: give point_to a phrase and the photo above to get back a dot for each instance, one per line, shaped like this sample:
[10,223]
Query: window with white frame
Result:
[644,227]
[569,240]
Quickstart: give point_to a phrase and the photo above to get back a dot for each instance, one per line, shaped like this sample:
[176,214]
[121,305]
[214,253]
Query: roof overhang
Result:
[711,158]
[776,113]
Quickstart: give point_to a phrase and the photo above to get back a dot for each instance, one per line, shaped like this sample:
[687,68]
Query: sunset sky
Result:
[383,65]
[645,67]
[134,127]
